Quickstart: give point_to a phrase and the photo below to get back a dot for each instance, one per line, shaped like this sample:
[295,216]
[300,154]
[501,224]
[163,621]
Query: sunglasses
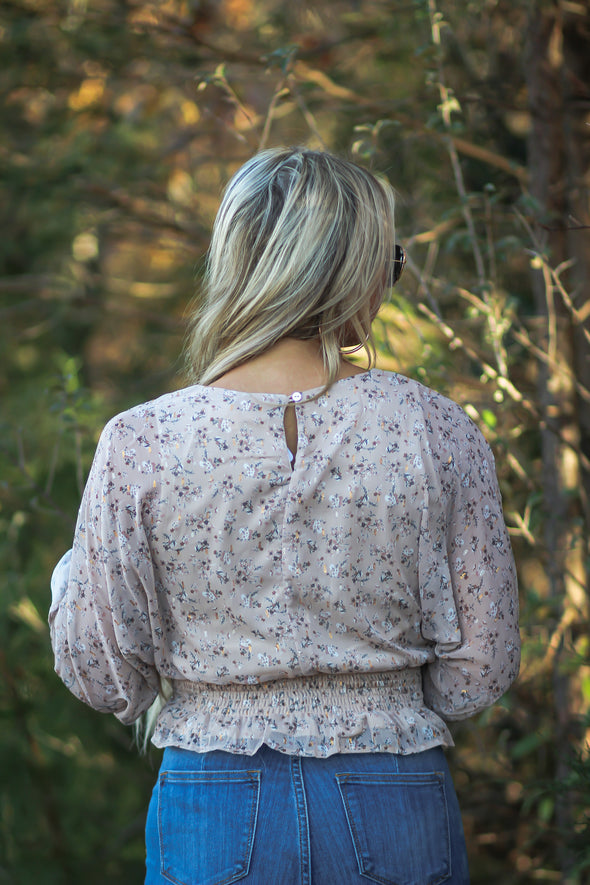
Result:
[398,262]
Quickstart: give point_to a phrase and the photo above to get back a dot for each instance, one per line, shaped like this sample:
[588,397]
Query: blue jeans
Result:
[273,819]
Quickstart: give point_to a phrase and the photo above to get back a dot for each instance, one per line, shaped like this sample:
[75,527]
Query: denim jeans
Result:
[273,819]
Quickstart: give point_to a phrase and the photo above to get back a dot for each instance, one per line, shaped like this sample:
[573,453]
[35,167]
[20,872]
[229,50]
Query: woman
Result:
[312,554]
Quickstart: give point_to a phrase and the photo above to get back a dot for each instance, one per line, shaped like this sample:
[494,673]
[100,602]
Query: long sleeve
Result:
[468,584]
[100,618]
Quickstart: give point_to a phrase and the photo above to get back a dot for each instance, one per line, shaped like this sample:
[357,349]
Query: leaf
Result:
[26,611]
[530,743]
[489,418]
[283,57]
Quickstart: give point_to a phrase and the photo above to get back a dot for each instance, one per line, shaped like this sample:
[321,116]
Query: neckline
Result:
[301,396]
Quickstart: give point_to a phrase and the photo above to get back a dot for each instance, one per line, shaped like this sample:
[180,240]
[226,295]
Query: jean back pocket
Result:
[399,825]
[206,823]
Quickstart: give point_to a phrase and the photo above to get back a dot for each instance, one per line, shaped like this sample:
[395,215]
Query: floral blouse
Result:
[350,601]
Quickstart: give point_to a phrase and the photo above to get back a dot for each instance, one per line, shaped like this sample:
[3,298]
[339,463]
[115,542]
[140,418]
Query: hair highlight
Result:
[301,247]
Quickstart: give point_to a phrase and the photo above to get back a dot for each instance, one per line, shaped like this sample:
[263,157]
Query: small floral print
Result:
[350,602]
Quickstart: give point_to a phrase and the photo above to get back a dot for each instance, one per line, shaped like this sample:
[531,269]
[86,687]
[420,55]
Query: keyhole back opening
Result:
[291,432]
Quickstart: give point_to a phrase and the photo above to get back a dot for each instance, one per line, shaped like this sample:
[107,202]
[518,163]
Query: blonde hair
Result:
[301,247]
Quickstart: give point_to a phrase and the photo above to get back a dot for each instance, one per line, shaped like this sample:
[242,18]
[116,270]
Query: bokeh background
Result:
[120,121]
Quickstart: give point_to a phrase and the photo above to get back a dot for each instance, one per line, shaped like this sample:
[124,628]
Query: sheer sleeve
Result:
[60,578]
[468,582]
[101,615]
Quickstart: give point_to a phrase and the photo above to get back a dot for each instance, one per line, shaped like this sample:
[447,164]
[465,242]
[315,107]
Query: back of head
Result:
[301,247]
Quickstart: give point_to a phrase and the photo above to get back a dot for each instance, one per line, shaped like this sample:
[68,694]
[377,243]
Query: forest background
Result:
[120,122]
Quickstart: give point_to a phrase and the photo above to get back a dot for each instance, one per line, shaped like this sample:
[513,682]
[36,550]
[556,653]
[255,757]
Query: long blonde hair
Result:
[301,247]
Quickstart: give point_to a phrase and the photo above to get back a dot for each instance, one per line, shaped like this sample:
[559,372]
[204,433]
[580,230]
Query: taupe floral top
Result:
[349,602]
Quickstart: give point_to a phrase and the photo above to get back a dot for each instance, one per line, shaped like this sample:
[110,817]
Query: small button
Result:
[296,396]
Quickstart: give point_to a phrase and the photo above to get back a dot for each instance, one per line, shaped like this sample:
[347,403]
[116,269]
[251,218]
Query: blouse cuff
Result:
[60,578]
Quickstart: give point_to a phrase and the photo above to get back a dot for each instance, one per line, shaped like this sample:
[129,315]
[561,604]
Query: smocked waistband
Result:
[345,690]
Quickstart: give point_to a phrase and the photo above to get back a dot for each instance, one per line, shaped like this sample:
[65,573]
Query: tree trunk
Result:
[558,51]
